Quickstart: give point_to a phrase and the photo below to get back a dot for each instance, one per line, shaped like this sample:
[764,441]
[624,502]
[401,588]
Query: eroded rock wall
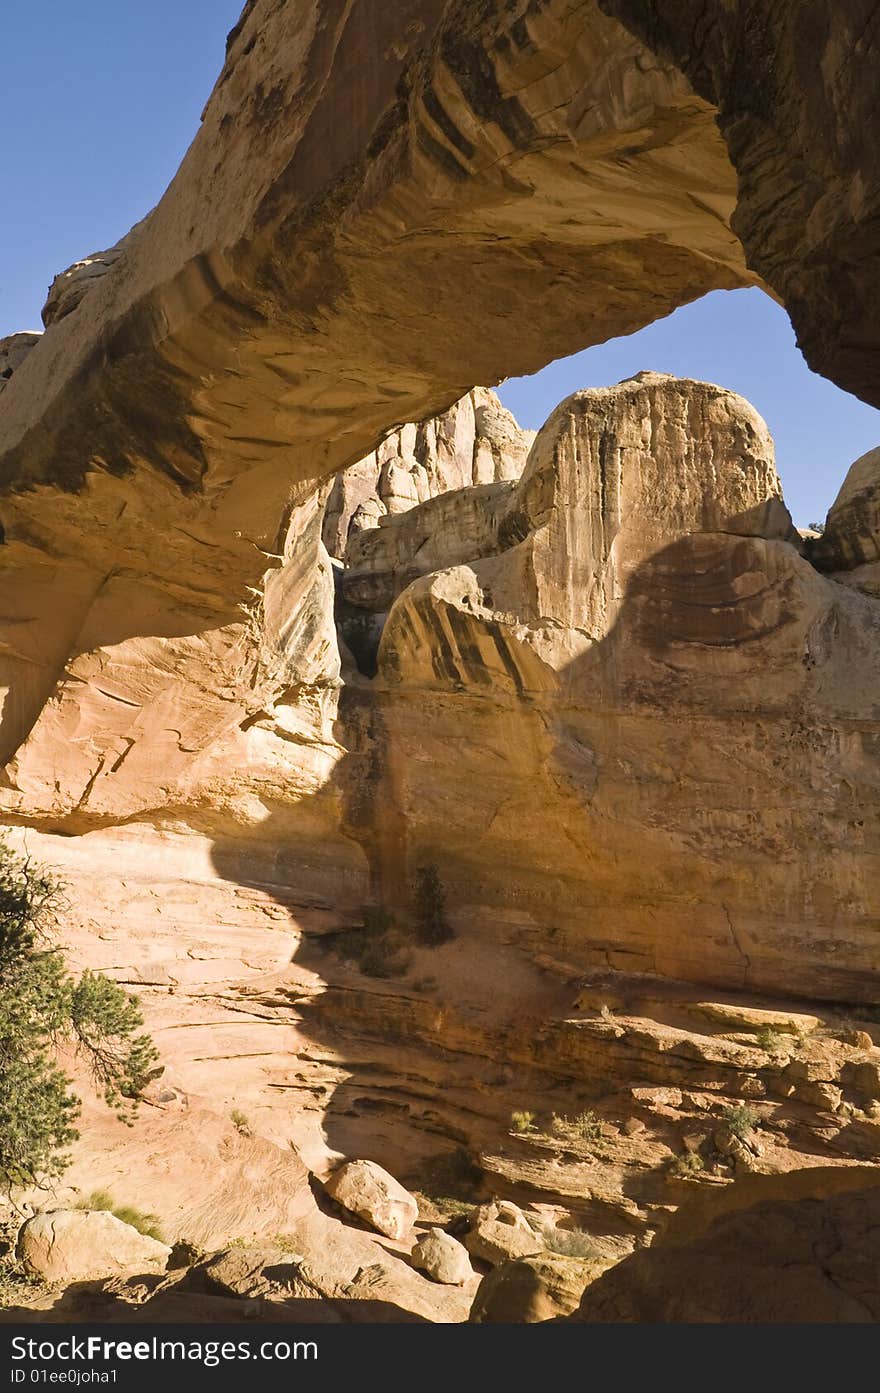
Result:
[651,711]
[278,312]
[477,441]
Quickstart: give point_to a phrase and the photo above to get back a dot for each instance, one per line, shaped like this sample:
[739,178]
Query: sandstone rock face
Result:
[70,287]
[477,441]
[210,351]
[443,1258]
[542,1287]
[599,686]
[574,189]
[808,186]
[243,1271]
[615,705]
[82,1245]
[368,1191]
[849,548]
[458,526]
[765,1260]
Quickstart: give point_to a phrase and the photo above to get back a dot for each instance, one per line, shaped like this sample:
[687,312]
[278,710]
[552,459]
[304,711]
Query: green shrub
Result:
[377,920]
[687,1165]
[147,1224]
[741,1119]
[378,949]
[41,1007]
[429,900]
[773,1041]
[586,1125]
[385,957]
[240,1122]
[522,1122]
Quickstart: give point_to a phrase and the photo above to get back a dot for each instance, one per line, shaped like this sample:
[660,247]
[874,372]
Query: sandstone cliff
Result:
[605,698]
[643,703]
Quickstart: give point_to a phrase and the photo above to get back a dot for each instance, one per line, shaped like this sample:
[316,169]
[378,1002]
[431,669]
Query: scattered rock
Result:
[752,1087]
[864,1077]
[742,1150]
[536,1288]
[500,1231]
[443,1258]
[75,1245]
[368,1191]
[826,1096]
[743,1017]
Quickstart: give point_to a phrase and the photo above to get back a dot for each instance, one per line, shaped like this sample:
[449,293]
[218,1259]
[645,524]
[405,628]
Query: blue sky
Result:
[743,340]
[101,100]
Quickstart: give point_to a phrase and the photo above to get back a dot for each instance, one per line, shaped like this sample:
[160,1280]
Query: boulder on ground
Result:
[500,1231]
[76,1245]
[801,1247]
[368,1191]
[443,1258]
[531,1289]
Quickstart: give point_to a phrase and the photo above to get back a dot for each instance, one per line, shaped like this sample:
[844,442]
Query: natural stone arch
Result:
[537,161]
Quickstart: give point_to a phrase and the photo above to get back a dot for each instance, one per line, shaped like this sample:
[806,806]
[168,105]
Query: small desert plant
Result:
[287,1244]
[773,1041]
[377,948]
[385,957]
[147,1224]
[240,1122]
[687,1165]
[522,1122]
[429,901]
[377,920]
[740,1120]
[16,1285]
[425,984]
[586,1125]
